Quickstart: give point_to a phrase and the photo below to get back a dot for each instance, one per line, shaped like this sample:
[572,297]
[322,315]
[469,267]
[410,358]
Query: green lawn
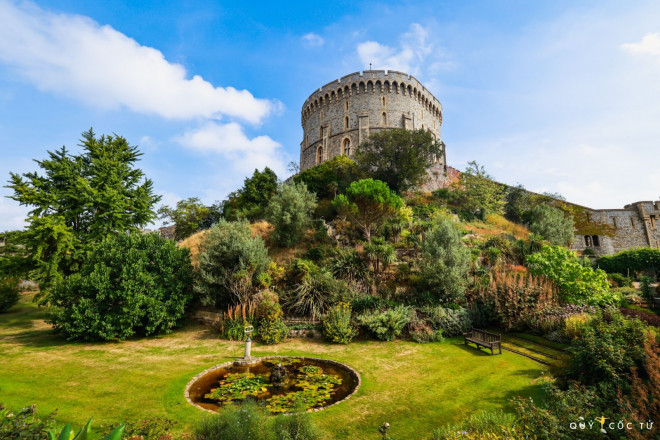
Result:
[414,387]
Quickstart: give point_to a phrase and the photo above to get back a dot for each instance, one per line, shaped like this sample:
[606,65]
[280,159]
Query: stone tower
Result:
[340,115]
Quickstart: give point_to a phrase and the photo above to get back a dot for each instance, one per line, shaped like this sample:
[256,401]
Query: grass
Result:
[414,387]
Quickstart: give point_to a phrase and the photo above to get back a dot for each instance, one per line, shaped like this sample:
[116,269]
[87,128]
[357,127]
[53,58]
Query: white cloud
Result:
[77,57]
[412,52]
[230,142]
[313,40]
[649,45]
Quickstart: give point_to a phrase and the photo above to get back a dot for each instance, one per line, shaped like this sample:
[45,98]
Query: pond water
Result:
[309,384]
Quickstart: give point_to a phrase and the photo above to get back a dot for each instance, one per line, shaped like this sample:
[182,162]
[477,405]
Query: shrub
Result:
[552,224]
[445,262]
[629,294]
[513,298]
[296,426]
[620,280]
[8,293]
[631,260]
[421,330]
[364,303]
[313,290]
[577,284]
[289,211]
[349,265]
[234,321]
[479,426]
[235,422]
[272,330]
[156,428]
[451,322]
[386,325]
[609,346]
[646,290]
[647,317]
[230,262]
[137,284]
[24,424]
[337,325]
[329,178]
[574,324]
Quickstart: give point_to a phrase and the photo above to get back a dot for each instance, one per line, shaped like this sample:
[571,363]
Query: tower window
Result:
[384,118]
[347,105]
[319,155]
[347,147]
[383,101]
[346,123]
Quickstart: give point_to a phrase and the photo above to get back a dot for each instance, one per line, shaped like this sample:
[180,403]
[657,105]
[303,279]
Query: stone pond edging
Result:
[351,370]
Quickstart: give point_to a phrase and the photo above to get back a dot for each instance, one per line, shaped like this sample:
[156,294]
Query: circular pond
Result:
[284,384]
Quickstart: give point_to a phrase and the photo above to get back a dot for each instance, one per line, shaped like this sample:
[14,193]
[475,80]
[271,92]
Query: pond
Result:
[284,384]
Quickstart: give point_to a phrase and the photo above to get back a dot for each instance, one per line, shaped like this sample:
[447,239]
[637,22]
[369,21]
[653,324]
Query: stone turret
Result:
[340,115]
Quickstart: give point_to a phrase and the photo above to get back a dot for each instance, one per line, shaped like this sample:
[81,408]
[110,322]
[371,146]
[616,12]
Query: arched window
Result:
[587,240]
[595,240]
[383,101]
[319,155]
[346,149]
[346,105]
[383,119]
[346,123]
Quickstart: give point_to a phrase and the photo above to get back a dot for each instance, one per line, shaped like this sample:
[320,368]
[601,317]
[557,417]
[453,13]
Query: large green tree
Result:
[129,284]
[445,261]
[330,177]
[189,216]
[250,201]
[367,204]
[79,200]
[479,194]
[399,158]
[552,223]
[289,211]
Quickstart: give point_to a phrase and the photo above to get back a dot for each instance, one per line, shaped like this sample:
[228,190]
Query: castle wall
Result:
[342,114]
[636,225]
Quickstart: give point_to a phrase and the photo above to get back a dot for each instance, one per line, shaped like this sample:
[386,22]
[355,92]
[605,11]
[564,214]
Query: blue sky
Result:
[561,96]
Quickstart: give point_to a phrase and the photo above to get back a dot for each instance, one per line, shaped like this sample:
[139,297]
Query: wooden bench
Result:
[484,339]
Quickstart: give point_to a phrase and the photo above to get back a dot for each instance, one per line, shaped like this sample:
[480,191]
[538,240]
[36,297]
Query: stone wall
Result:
[636,225]
[342,114]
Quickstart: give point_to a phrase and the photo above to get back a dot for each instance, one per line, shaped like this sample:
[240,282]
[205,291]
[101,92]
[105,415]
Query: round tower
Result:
[342,114]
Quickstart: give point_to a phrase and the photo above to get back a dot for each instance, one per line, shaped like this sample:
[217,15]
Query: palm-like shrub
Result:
[313,290]
[130,284]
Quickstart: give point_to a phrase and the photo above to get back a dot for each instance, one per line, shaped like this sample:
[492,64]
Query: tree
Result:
[368,203]
[230,262]
[79,200]
[552,224]
[189,216]
[129,284]
[479,194]
[517,203]
[330,177]
[250,201]
[15,260]
[399,158]
[577,283]
[289,211]
[445,261]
